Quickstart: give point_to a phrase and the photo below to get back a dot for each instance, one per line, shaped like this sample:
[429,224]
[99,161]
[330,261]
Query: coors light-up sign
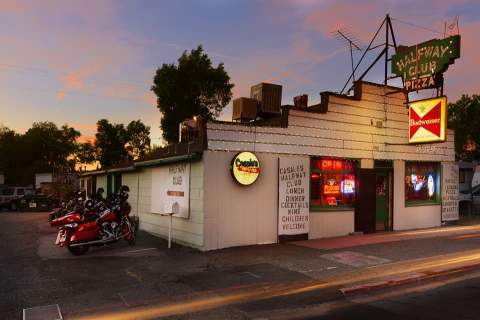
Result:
[427,120]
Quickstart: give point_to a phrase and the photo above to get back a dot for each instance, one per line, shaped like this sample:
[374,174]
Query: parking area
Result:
[34,272]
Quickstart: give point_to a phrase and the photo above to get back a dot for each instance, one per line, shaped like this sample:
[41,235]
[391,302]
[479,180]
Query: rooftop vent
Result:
[244,109]
[269,97]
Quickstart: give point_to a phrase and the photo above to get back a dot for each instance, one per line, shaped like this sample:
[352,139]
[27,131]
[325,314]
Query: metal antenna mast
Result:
[349,39]
[387,23]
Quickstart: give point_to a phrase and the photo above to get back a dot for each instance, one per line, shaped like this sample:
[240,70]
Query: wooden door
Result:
[366,201]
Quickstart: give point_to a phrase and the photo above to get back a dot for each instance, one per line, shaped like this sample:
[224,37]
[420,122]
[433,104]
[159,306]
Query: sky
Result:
[75,62]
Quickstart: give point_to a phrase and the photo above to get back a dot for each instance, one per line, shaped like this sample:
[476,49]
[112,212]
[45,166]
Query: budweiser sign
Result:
[427,120]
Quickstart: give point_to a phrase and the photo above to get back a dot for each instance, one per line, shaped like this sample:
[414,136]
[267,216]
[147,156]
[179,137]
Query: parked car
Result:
[469,201]
[10,196]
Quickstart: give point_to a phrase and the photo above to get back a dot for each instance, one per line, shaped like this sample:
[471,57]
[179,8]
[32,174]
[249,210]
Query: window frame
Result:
[341,207]
[438,190]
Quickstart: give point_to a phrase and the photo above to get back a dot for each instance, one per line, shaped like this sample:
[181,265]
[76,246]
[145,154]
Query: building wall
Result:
[375,127]
[405,218]
[185,231]
[2,178]
[348,130]
[102,182]
[324,224]
[238,215]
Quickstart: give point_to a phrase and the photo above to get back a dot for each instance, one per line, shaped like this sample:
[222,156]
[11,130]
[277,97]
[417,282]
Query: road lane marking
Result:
[123,299]
[141,250]
[252,274]
[46,312]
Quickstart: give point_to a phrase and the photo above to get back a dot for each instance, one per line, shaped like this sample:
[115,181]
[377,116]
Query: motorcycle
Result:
[97,225]
[74,204]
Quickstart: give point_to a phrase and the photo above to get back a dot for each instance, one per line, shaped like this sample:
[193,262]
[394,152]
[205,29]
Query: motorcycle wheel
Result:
[78,250]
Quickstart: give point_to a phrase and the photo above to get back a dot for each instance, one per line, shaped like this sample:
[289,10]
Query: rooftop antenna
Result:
[389,42]
[348,39]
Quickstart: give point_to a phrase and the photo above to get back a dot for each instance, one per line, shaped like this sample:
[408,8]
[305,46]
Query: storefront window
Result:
[422,182]
[332,183]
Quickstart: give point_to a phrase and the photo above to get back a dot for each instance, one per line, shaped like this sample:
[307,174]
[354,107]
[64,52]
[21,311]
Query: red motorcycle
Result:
[98,225]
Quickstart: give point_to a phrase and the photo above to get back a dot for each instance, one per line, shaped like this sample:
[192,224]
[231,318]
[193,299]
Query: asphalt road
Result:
[457,300]
[259,282]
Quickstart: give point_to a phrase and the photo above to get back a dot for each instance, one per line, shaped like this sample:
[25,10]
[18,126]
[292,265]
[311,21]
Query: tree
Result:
[115,143]
[193,87]
[86,154]
[110,143]
[464,118]
[50,147]
[43,148]
[138,139]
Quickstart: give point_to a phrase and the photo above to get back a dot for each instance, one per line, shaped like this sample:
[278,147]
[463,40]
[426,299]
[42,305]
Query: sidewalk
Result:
[384,237]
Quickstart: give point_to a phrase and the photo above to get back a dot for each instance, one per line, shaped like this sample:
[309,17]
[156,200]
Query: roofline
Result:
[161,161]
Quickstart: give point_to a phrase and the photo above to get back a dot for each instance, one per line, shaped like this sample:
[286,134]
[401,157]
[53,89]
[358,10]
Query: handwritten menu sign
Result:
[293,196]
[450,192]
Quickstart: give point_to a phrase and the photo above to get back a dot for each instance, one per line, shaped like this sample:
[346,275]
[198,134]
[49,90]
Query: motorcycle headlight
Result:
[71,225]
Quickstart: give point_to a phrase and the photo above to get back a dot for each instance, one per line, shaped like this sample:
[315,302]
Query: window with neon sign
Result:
[422,182]
[332,183]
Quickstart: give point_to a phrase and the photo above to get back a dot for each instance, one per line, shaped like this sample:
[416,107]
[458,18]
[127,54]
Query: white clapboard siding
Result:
[373,114]
[338,125]
[347,130]
[366,119]
[370,104]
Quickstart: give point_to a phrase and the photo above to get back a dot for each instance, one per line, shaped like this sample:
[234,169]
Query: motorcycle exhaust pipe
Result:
[103,241]
[91,242]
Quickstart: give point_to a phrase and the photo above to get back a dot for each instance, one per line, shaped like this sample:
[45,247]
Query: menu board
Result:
[293,196]
[450,187]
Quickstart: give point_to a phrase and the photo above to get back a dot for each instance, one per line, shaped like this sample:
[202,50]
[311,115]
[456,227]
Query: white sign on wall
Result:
[293,196]
[450,187]
[171,190]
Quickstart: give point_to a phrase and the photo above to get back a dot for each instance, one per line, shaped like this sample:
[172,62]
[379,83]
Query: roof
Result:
[176,152]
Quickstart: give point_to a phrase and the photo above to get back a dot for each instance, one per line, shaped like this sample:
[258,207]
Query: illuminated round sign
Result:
[245,168]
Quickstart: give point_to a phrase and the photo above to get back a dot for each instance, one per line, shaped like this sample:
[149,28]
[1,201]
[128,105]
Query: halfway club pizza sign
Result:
[427,120]
[421,66]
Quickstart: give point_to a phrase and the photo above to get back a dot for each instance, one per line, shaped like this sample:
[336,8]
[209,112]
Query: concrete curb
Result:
[406,279]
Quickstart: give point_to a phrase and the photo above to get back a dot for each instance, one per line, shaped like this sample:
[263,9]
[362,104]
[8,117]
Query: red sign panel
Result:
[427,120]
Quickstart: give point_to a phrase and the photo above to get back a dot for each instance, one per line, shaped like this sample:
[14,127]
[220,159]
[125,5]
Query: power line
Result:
[417,26]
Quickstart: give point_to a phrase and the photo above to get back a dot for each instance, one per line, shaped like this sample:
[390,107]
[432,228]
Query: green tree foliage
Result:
[43,148]
[138,139]
[86,153]
[464,118]
[193,87]
[110,142]
[115,143]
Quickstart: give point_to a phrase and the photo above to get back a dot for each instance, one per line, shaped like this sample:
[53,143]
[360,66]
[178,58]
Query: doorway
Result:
[374,202]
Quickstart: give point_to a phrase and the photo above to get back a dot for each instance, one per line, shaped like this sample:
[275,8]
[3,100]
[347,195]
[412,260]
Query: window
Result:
[8,192]
[461,176]
[332,183]
[422,183]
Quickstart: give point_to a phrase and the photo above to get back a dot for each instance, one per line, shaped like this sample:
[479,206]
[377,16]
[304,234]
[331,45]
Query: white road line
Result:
[252,274]
[123,299]
[140,250]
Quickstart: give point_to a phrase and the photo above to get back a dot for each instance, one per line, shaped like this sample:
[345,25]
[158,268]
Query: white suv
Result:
[9,196]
